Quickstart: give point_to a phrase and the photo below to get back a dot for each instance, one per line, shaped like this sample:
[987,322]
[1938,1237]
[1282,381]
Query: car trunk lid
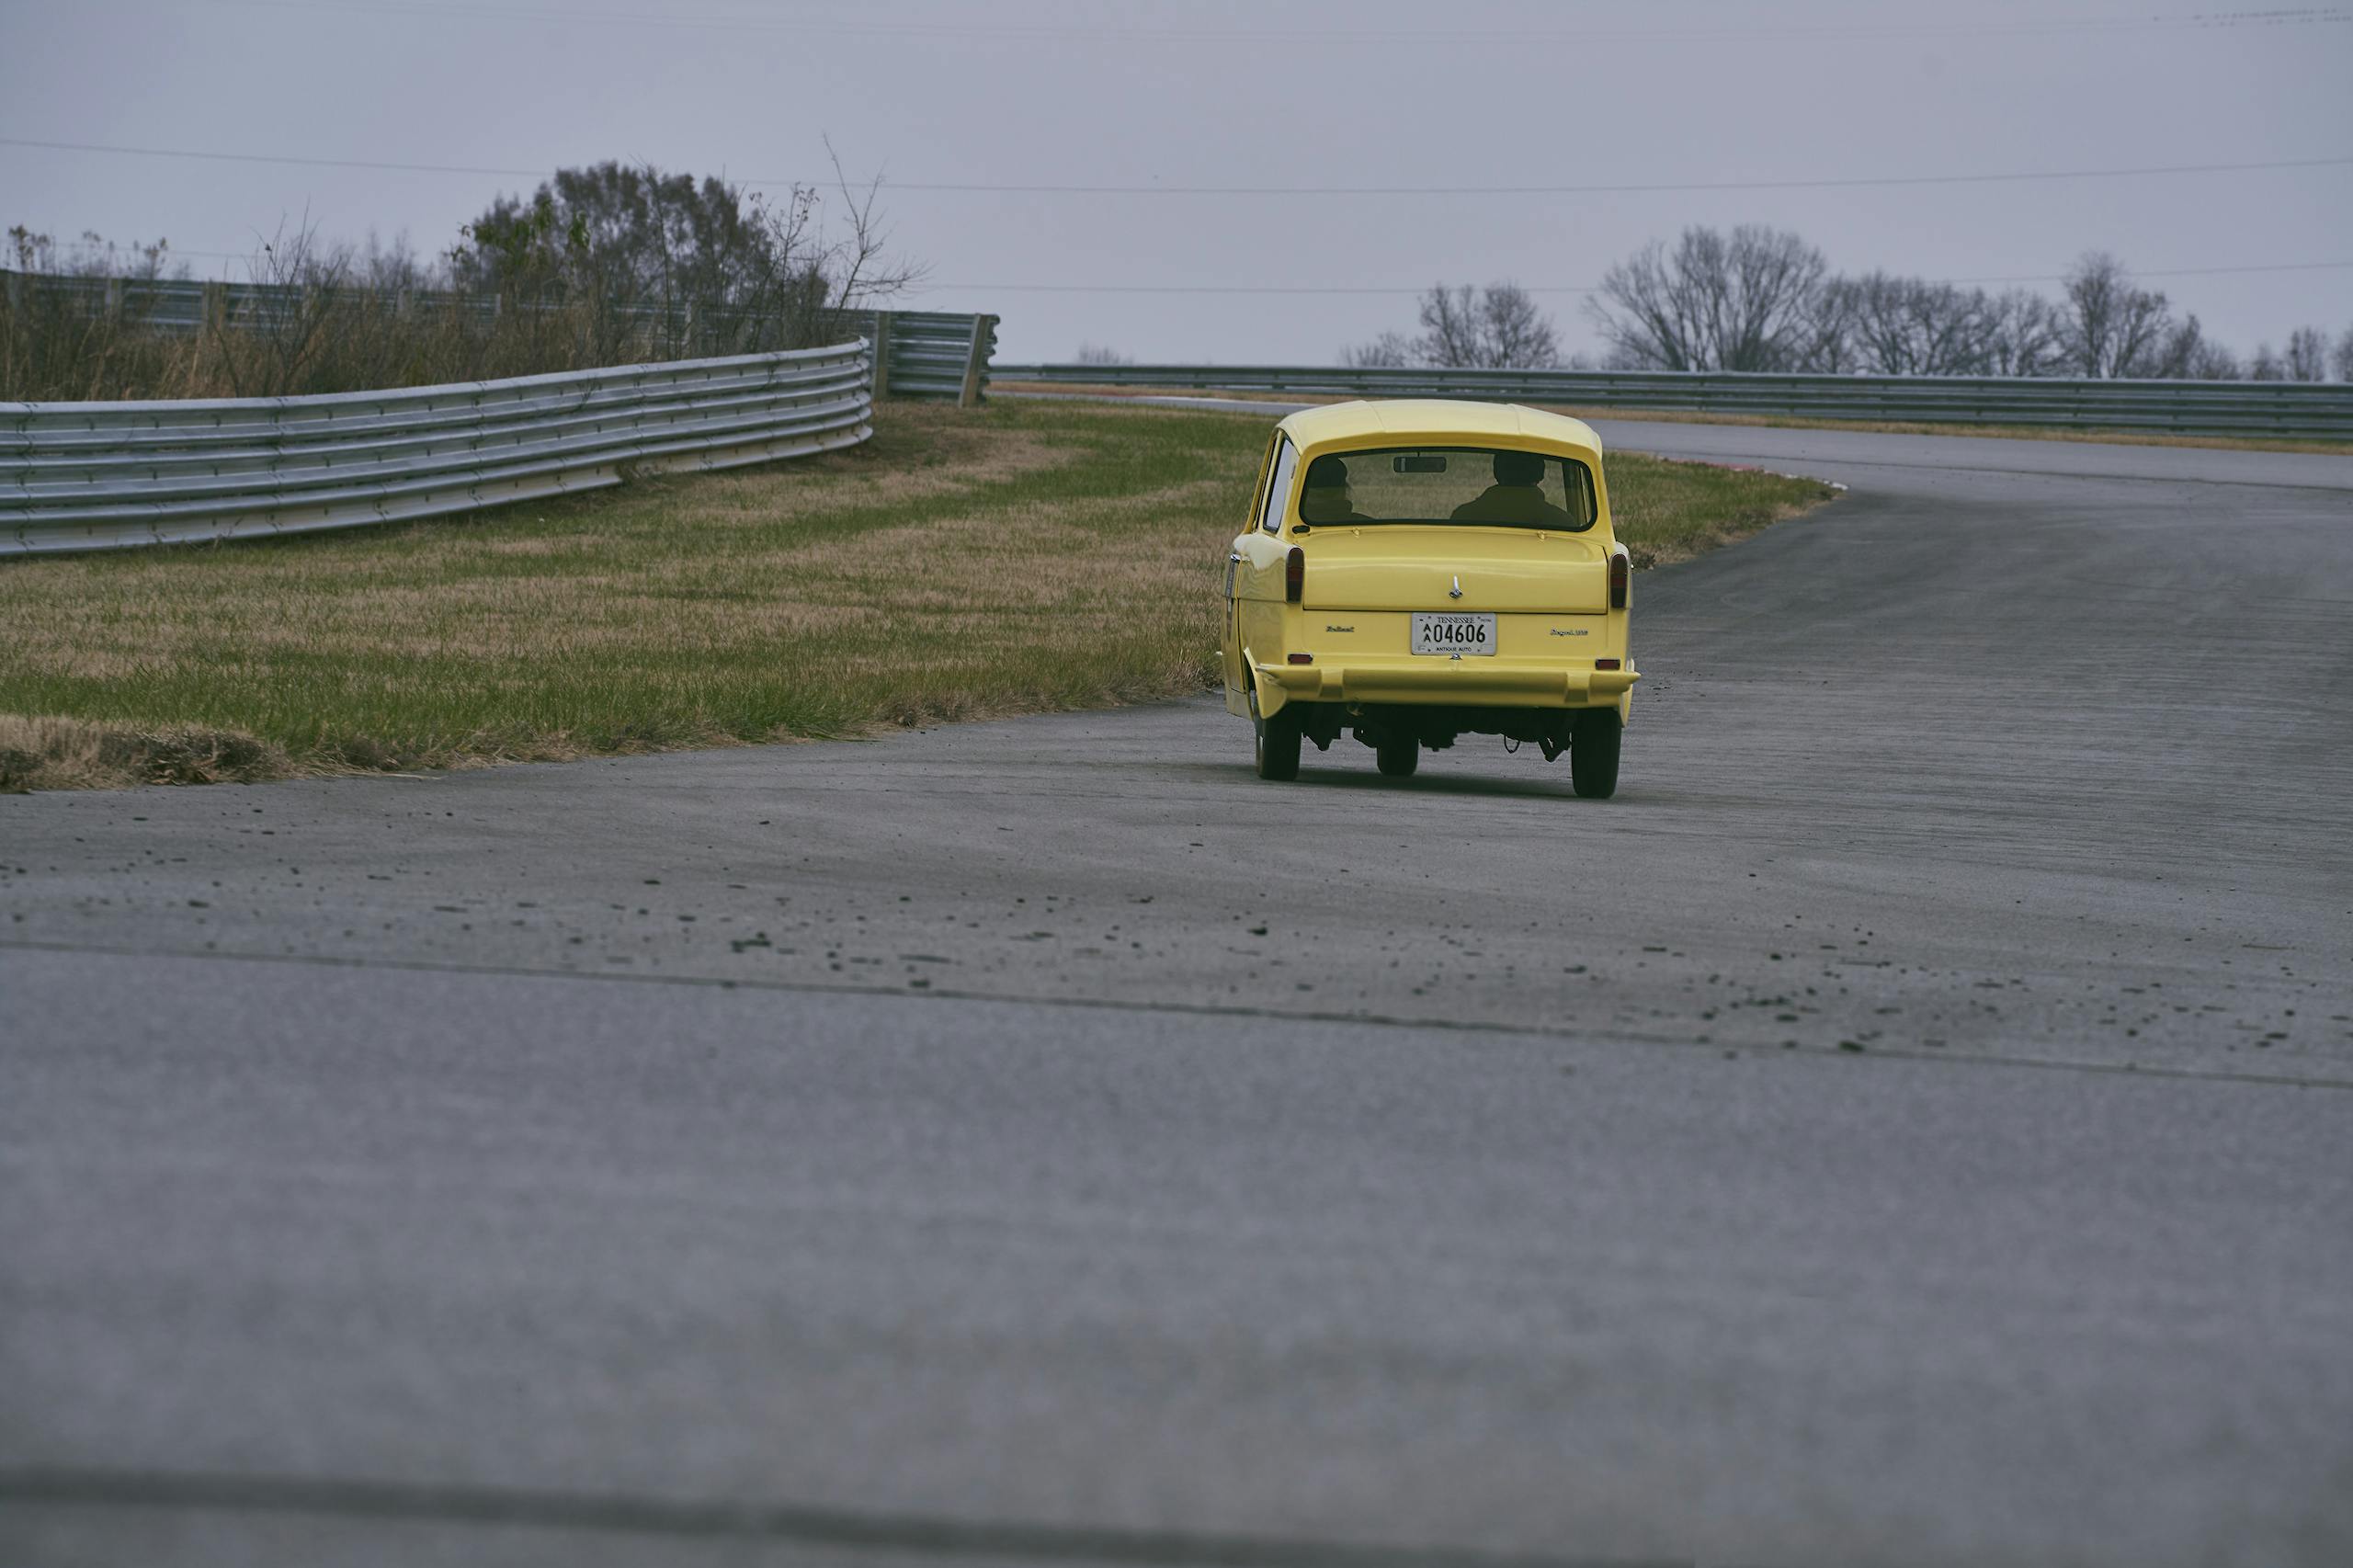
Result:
[1454,566]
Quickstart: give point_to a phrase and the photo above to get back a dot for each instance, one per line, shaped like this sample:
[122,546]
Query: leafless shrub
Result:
[1389,351]
[286,341]
[69,328]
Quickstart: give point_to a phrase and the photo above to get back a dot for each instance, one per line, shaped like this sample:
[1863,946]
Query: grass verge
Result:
[1025,557]
[1686,417]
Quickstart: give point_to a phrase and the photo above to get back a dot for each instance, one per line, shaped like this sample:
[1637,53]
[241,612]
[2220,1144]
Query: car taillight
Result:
[1617,581]
[1295,574]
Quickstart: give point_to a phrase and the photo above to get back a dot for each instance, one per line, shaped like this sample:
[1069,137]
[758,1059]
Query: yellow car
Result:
[1415,570]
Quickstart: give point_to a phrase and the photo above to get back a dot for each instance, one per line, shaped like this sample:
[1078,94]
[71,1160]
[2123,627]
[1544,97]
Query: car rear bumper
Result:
[1478,682]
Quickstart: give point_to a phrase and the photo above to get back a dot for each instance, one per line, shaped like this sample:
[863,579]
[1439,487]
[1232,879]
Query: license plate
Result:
[1452,634]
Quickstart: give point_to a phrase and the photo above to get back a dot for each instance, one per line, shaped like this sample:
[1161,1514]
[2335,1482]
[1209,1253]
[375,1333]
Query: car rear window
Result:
[1484,486]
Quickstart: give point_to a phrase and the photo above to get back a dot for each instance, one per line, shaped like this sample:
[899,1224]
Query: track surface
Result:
[1043,1142]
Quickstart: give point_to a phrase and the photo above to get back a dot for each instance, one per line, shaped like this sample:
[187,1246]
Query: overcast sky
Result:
[1738,93]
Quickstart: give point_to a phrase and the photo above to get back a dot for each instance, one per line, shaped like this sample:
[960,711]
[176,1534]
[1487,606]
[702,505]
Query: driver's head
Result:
[1519,468]
[1325,499]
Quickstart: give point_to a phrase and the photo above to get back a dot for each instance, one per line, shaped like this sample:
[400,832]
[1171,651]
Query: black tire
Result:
[1397,758]
[1278,748]
[1593,752]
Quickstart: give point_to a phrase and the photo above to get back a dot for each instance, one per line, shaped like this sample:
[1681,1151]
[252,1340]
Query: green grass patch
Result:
[1019,558]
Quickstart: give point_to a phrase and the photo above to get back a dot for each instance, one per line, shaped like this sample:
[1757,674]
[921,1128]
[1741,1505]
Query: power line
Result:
[1284,191]
[1544,289]
[1031,34]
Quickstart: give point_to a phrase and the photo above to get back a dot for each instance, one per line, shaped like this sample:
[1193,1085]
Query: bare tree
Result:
[1822,340]
[2265,365]
[1495,328]
[2307,355]
[1499,327]
[1904,326]
[1747,300]
[2029,338]
[2343,355]
[1090,354]
[860,260]
[2114,328]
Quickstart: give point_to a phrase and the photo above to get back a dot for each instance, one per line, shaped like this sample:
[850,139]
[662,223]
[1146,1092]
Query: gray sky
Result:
[1291,93]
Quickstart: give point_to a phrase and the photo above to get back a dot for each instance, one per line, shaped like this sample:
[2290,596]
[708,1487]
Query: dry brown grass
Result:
[77,753]
[1683,416]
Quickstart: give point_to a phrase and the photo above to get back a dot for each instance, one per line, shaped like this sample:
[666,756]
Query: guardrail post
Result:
[15,292]
[880,347]
[114,299]
[215,315]
[974,359]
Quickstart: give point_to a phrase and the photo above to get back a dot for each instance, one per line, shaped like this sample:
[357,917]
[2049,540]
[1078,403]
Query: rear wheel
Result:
[1279,746]
[1397,758]
[1593,752]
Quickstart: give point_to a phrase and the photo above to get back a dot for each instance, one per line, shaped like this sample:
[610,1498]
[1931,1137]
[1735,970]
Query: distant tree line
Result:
[1762,298]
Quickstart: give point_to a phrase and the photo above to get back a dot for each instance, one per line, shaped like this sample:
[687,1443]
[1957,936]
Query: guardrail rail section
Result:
[77,476]
[2287,409]
[927,353]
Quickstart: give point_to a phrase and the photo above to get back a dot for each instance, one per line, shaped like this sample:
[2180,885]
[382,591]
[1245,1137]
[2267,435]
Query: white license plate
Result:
[1451,635]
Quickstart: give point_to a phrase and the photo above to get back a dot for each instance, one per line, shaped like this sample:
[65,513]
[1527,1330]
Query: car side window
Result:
[1257,507]
[1582,503]
[1279,488]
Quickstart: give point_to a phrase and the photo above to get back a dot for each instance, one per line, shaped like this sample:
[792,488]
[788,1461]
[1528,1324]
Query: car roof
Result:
[1436,420]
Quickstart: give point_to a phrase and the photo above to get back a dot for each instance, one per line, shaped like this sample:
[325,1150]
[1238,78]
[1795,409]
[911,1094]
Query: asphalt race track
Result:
[1913,1123]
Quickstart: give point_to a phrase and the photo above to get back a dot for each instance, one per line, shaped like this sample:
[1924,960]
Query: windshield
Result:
[1494,487]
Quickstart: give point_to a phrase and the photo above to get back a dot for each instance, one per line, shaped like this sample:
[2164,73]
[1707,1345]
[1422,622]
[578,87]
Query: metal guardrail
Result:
[924,353]
[2283,409]
[80,476]
[927,353]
